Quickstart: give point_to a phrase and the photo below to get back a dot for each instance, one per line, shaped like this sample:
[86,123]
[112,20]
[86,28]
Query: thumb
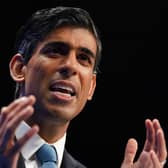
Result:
[130,152]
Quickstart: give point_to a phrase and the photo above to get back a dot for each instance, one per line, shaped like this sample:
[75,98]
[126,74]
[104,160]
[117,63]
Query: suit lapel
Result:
[69,162]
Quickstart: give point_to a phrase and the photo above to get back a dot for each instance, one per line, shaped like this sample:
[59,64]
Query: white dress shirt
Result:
[34,144]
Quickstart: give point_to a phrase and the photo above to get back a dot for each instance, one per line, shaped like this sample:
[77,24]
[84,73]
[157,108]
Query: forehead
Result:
[76,37]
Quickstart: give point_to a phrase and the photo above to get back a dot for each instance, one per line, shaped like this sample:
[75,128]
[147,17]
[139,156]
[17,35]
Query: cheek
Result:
[89,85]
[34,77]
[86,84]
[37,68]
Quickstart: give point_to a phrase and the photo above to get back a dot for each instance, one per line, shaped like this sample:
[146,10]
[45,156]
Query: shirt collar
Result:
[35,142]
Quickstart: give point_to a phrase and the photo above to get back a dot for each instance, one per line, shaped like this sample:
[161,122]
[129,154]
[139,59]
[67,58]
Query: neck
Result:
[50,131]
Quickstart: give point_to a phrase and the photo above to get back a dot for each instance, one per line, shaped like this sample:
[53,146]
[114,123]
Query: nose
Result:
[69,65]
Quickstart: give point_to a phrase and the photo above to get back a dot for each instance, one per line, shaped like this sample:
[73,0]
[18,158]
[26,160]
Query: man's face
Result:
[60,73]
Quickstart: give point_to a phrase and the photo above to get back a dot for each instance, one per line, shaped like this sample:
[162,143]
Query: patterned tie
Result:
[46,155]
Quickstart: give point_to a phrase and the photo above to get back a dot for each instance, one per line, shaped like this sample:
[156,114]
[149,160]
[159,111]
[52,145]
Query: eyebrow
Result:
[52,45]
[56,43]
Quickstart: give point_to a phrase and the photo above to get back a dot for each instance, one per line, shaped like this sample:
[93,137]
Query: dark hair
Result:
[44,21]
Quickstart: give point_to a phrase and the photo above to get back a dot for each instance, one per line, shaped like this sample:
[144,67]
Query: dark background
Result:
[131,87]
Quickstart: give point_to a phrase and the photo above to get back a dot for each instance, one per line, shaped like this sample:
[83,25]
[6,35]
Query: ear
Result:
[92,87]
[17,67]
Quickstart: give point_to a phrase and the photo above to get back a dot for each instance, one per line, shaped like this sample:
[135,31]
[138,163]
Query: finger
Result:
[3,127]
[23,115]
[9,121]
[18,104]
[160,146]
[150,135]
[155,160]
[130,152]
[11,126]
[144,161]
[12,110]
[30,99]
[20,143]
[156,124]
[3,122]
[11,118]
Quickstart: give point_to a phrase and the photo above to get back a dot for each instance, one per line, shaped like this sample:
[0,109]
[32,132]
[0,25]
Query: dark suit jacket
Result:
[67,162]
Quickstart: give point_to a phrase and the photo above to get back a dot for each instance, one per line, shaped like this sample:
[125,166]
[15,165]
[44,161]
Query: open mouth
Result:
[63,90]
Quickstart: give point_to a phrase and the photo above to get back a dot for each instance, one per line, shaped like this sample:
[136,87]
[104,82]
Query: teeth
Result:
[64,89]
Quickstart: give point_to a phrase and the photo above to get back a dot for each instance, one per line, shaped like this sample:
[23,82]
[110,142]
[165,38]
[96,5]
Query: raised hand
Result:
[10,117]
[154,153]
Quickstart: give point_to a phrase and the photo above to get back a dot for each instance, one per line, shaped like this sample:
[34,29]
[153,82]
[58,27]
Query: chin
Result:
[62,114]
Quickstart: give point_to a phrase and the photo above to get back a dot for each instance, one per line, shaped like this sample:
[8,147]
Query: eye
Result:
[55,49]
[84,59]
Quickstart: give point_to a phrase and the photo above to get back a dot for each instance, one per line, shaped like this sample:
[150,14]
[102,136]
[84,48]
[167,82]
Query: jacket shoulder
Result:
[70,162]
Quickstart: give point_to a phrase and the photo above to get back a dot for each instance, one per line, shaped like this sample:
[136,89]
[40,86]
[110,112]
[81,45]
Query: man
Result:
[55,67]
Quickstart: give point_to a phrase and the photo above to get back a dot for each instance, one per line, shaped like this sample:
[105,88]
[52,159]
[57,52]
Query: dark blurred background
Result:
[132,85]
